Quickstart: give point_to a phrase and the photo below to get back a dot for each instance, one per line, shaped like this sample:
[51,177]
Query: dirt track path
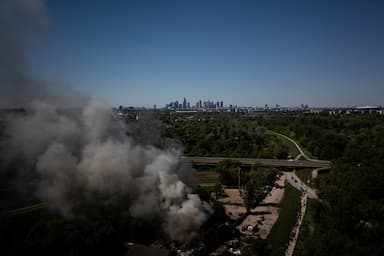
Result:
[307,191]
[295,231]
[302,153]
[315,172]
[294,142]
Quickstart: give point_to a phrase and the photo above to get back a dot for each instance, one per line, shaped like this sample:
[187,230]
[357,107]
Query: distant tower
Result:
[184,103]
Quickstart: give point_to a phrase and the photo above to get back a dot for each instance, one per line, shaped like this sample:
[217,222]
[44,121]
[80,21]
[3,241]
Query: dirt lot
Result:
[234,210]
[266,214]
[232,197]
[232,202]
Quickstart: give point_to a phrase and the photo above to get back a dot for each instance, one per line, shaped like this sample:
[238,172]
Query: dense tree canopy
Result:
[350,221]
[224,135]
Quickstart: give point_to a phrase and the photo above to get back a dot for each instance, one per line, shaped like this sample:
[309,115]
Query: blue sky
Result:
[320,53]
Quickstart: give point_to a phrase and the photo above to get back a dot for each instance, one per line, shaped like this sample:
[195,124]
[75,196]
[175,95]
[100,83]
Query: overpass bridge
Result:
[248,162]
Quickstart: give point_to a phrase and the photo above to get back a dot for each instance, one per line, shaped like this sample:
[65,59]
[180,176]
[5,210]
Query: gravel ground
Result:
[269,211]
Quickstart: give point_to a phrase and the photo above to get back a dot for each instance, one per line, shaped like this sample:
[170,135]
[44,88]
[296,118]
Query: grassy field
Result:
[305,174]
[306,229]
[279,235]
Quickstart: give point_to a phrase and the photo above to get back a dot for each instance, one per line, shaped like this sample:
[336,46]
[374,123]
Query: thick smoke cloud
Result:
[75,154]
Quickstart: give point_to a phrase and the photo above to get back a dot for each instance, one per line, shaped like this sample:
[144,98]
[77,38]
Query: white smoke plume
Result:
[77,156]
[74,154]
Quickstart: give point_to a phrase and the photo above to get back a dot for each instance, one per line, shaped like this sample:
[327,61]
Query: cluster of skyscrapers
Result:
[199,105]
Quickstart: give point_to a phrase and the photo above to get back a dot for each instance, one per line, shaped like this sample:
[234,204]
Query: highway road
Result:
[211,161]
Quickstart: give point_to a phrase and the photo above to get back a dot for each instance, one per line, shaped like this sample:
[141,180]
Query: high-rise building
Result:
[184,104]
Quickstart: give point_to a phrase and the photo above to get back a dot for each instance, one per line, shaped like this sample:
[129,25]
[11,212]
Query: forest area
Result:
[350,218]
[224,135]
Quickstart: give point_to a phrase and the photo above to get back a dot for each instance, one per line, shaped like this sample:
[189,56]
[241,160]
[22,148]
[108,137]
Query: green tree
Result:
[218,190]
[228,171]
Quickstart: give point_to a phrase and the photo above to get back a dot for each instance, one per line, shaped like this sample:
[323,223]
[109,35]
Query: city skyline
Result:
[184,103]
